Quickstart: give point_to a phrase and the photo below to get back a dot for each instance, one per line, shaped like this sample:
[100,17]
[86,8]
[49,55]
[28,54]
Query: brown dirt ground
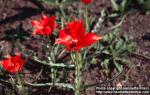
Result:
[17,14]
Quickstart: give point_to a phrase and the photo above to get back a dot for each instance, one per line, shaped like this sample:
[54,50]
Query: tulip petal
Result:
[34,23]
[74,37]
[89,39]
[63,37]
[47,31]
[45,26]
[87,1]
[13,64]
[76,28]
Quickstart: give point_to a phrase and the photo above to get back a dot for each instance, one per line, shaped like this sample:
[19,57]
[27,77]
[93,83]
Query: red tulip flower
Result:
[45,26]
[87,1]
[13,64]
[74,36]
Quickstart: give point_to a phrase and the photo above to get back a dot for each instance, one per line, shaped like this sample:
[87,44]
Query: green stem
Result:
[21,87]
[78,66]
[86,18]
[53,70]
[62,11]
[60,6]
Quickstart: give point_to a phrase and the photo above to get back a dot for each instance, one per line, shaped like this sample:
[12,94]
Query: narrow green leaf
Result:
[65,85]
[119,44]
[118,66]
[114,5]
[57,65]
[105,62]
[123,60]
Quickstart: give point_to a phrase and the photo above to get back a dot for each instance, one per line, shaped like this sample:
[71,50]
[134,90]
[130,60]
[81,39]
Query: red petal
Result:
[45,26]
[52,22]
[37,31]
[44,17]
[47,31]
[63,38]
[52,18]
[77,29]
[89,39]
[87,1]
[34,23]
[13,64]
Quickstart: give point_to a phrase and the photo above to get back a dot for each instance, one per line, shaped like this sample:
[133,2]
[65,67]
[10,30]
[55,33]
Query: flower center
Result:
[74,42]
